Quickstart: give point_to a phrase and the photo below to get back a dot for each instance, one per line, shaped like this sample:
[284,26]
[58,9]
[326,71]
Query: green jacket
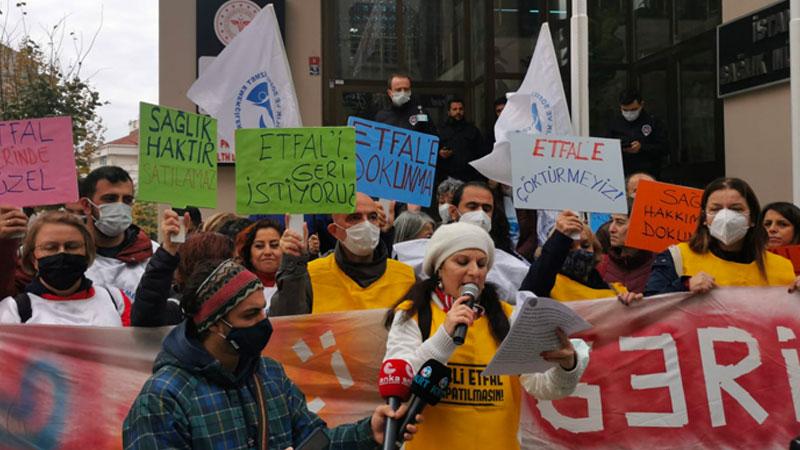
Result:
[192,402]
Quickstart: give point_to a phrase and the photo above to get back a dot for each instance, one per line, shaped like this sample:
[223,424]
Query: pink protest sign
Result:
[37,163]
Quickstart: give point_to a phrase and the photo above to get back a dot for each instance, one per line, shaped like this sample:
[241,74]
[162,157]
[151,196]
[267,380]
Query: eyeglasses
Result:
[51,248]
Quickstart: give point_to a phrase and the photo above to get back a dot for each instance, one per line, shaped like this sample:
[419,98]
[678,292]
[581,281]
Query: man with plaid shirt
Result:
[211,389]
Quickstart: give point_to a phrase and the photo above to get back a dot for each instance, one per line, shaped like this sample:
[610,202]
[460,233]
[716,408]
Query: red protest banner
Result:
[663,214]
[712,371]
[678,371]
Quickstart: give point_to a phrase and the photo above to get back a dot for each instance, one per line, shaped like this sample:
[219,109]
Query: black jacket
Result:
[156,304]
[541,276]
[650,132]
[467,144]
[406,117]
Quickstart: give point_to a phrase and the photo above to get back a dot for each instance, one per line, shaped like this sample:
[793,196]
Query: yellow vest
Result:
[726,273]
[334,291]
[477,412]
[566,289]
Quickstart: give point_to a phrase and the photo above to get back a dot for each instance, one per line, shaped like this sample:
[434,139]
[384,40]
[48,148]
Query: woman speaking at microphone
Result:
[477,412]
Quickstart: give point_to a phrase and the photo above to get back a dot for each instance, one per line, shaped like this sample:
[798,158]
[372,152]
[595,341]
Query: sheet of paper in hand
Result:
[534,332]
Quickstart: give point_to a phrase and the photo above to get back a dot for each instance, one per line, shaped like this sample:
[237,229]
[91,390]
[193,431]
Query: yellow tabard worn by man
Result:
[566,289]
[333,290]
[779,270]
[478,412]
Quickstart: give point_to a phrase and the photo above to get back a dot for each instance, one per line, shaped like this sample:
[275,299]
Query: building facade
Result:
[122,152]
[479,49]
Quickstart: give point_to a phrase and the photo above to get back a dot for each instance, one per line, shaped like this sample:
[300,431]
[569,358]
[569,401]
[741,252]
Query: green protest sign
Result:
[295,170]
[177,157]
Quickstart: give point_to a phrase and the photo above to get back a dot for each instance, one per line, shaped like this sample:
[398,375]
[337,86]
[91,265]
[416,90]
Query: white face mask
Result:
[444,212]
[478,218]
[400,98]
[362,239]
[114,218]
[630,116]
[729,226]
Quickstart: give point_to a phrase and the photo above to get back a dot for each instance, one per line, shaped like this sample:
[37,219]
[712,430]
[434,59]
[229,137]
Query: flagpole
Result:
[579,67]
[794,71]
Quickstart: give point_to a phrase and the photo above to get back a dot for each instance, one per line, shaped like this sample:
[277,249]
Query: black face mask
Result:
[578,265]
[62,270]
[250,341]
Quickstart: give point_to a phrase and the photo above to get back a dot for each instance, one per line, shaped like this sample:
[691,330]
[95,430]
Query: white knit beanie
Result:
[452,238]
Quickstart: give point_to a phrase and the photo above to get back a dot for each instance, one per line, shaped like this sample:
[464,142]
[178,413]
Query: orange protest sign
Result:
[663,214]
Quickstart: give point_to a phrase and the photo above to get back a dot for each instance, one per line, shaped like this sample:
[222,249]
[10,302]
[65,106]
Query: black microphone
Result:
[472,291]
[429,386]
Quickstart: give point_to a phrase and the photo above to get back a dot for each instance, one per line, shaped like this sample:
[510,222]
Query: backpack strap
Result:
[23,307]
[677,259]
[111,296]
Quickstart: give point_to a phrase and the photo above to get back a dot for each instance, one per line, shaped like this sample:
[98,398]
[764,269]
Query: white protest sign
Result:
[567,172]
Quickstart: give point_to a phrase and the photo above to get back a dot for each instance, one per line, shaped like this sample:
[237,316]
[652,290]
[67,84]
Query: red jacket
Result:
[631,270]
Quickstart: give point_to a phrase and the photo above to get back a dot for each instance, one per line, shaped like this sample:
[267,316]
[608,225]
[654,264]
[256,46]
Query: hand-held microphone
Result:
[472,291]
[429,386]
[394,385]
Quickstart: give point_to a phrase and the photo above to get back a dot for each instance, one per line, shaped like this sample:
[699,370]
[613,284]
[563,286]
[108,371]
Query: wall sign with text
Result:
[753,50]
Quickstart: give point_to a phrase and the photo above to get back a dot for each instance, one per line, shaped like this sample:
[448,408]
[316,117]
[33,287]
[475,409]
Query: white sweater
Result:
[405,342]
[101,307]
[113,272]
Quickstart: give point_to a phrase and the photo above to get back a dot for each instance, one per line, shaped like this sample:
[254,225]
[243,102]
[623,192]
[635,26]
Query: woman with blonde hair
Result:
[58,249]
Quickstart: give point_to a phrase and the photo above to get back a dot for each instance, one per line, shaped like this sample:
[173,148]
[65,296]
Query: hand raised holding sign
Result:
[292,243]
[170,227]
[569,223]
[13,222]
[385,221]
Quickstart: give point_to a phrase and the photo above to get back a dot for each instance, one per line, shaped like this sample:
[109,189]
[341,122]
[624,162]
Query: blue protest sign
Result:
[394,163]
[596,220]
[567,172]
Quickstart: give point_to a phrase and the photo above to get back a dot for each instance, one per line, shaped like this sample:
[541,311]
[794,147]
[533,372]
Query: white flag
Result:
[538,107]
[249,85]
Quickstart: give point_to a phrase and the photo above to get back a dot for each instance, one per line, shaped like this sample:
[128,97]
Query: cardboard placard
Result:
[37,162]
[663,214]
[567,172]
[395,163]
[177,157]
[295,170]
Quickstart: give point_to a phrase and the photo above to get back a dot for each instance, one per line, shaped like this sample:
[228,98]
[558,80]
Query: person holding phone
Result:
[642,136]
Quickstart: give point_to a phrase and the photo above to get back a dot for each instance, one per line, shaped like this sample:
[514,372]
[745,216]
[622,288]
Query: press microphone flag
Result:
[394,384]
[429,386]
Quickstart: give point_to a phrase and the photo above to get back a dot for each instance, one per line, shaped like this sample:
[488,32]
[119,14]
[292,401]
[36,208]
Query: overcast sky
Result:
[123,64]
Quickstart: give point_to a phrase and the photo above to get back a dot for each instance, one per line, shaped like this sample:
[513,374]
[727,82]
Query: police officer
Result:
[643,137]
[404,112]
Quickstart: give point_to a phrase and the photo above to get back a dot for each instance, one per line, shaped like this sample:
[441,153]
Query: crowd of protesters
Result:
[88,264]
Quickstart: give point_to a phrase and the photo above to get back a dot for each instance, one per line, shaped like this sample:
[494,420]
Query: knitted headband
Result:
[227,286]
